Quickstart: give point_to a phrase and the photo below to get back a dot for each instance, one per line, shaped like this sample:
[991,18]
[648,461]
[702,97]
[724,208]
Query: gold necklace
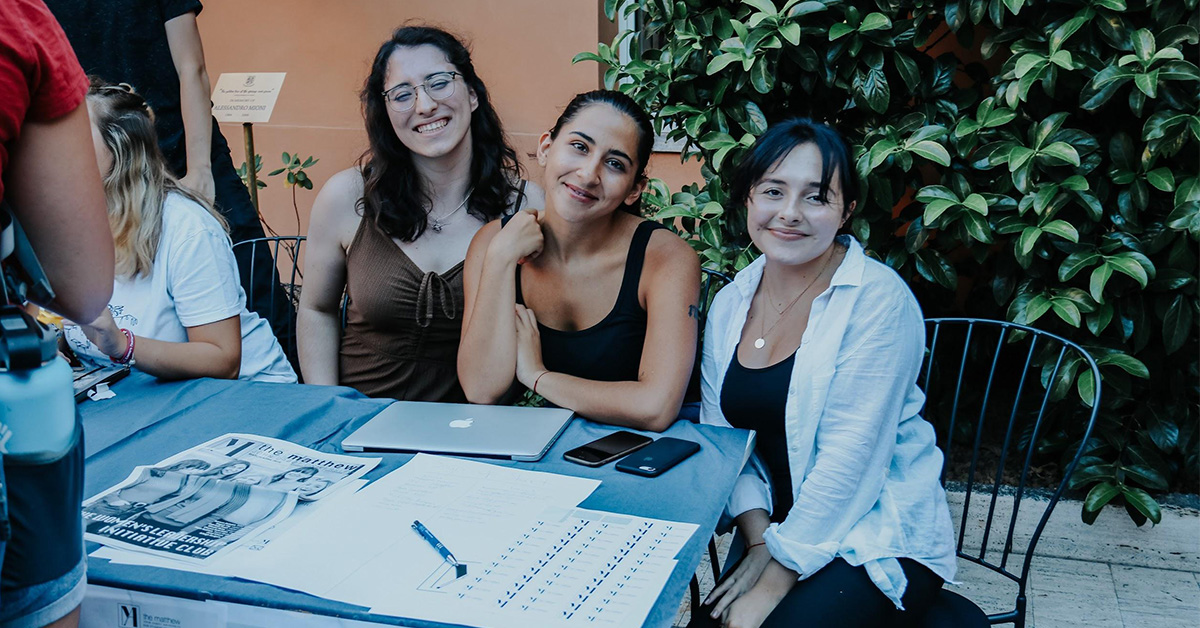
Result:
[761,341]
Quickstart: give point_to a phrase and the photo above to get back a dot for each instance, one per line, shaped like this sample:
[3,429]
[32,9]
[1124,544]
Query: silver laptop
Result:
[461,429]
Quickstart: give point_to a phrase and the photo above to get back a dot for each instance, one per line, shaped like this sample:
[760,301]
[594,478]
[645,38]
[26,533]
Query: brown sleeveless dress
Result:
[402,325]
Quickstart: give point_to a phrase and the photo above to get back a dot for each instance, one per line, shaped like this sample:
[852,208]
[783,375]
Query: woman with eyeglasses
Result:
[177,309]
[585,303]
[391,233]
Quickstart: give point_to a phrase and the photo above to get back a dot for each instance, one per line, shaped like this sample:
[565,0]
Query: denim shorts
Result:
[41,604]
[42,563]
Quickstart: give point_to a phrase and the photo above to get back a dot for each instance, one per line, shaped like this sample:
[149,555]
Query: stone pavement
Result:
[1108,575]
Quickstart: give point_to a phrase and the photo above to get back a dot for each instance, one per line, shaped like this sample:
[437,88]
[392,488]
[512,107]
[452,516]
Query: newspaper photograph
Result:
[200,503]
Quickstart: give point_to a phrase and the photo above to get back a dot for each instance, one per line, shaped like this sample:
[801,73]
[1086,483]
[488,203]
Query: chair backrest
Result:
[273,278]
[993,389]
[711,282]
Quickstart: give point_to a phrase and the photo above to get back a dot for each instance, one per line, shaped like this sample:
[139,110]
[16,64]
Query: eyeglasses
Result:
[438,86]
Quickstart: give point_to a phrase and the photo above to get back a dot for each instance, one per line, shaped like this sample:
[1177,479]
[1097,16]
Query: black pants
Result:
[263,293]
[843,596]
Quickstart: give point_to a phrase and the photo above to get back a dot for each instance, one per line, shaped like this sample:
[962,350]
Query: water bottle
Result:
[37,401]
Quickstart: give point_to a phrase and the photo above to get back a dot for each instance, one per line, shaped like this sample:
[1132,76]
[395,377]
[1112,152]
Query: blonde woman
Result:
[177,309]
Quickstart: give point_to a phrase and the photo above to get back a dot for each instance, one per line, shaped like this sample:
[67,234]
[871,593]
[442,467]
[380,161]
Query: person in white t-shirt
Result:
[178,310]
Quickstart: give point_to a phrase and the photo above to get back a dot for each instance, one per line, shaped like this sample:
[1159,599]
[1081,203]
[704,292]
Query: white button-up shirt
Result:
[864,464]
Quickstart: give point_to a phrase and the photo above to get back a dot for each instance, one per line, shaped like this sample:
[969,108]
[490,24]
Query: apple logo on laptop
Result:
[462,423]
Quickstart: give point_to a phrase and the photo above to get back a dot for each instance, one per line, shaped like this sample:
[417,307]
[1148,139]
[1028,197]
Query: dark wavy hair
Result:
[394,196]
[778,141]
[627,106]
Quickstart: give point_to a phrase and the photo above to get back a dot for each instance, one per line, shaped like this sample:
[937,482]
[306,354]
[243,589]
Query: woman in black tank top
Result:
[590,307]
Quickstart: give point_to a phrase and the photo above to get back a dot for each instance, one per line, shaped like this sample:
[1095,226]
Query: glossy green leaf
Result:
[586,56]
[977,204]
[977,227]
[1100,495]
[791,32]
[1062,33]
[908,70]
[839,30]
[933,267]
[1127,363]
[1143,44]
[1029,62]
[719,62]
[880,152]
[1098,321]
[805,8]
[1186,217]
[1161,178]
[874,22]
[1133,265]
[1076,262]
[1085,387]
[932,151]
[1062,229]
[1067,311]
[1146,476]
[1028,240]
[1147,83]
[1063,152]
[1099,280]
[1142,501]
[1177,323]
[755,118]
[764,6]
[935,209]
[935,192]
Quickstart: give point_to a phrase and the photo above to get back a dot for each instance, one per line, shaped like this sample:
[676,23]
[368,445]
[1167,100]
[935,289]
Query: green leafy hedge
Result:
[1020,159]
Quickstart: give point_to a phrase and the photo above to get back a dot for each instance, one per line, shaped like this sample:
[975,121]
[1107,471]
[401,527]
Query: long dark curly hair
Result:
[394,196]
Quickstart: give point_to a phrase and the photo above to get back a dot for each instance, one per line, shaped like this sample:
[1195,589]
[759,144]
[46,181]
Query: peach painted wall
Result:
[522,49]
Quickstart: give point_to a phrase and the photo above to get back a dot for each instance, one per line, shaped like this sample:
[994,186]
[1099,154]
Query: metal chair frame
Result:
[1007,333]
[290,286]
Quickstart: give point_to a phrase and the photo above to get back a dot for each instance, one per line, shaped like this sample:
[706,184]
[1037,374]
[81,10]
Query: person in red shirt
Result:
[50,178]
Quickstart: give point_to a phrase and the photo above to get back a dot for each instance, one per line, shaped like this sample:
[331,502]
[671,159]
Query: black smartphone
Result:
[607,449]
[665,453]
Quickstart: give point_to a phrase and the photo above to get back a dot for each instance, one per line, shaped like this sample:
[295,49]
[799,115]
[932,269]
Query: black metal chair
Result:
[985,396]
[274,295]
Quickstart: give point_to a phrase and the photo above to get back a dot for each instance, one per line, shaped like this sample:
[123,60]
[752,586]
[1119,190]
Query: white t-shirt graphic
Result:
[194,281]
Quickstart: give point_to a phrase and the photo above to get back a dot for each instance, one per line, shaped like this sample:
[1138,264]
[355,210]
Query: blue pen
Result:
[460,569]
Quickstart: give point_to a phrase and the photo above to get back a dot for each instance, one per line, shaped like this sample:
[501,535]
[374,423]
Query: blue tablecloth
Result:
[150,420]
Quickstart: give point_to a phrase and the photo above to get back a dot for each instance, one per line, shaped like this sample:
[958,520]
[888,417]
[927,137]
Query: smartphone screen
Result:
[608,448]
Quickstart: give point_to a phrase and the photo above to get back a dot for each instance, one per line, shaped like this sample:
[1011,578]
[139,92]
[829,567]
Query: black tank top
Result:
[755,399]
[611,350]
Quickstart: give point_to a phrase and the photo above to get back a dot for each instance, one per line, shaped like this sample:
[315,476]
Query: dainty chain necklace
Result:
[437,224]
[761,341]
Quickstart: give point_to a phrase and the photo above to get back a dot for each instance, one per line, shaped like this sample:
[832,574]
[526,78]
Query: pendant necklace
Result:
[437,224]
[761,341]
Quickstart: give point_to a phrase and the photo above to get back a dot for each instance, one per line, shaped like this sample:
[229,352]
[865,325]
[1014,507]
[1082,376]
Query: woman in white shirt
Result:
[178,310]
[817,347]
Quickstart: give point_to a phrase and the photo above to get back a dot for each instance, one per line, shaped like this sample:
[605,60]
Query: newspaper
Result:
[197,505]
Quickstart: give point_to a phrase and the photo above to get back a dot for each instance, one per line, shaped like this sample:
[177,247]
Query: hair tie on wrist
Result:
[538,379]
[754,545]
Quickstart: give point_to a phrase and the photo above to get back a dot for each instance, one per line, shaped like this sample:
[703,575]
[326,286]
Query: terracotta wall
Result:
[522,50]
